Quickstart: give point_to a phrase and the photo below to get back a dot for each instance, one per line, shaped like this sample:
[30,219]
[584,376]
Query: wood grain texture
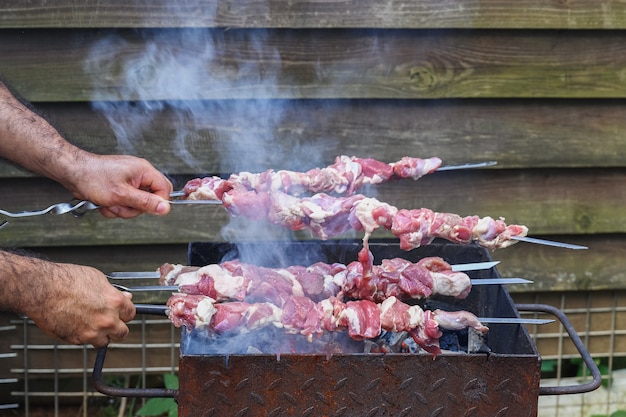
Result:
[478,14]
[233,136]
[600,267]
[287,64]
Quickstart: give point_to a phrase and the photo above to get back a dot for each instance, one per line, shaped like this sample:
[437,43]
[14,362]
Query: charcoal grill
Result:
[501,380]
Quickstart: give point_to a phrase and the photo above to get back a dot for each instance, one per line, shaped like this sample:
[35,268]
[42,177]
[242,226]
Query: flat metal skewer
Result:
[547,242]
[175,288]
[161,309]
[467,166]
[218,202]
[513,320]
[147,288]
[474,266]
[500,281]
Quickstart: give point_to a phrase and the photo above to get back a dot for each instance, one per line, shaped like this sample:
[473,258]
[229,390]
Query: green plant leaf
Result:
[160,406]
[157,407]
[171,381]
[548,365]
[619,413]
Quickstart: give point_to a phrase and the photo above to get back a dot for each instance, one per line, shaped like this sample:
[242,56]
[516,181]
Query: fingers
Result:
[119,211]
[127,310]
[118,334]
[124,186]
[158,184]
[141,202]
[117,331]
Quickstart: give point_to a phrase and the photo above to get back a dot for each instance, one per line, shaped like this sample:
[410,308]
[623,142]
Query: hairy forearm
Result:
[29,140]
[122,185]
[21,278]
[74,303]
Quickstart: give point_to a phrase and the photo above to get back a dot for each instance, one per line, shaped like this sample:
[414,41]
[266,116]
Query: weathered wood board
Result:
[307,133]
[285,64]
[499,14]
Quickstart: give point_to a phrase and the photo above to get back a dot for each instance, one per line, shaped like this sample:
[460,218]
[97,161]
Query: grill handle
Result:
[130,392]
[561,390]
[584,353]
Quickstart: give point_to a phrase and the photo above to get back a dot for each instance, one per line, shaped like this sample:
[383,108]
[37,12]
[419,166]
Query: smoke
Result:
[214,91]
[268,340]
[171,73]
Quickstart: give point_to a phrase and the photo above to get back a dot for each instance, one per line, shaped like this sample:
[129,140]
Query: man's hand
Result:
[124,186]
[86,309]
[73,303]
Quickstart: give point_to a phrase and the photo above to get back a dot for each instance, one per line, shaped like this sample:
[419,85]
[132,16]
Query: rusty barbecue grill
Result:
[500,376]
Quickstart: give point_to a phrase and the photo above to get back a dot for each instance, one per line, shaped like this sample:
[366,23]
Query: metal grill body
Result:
[501,382]
[359,385]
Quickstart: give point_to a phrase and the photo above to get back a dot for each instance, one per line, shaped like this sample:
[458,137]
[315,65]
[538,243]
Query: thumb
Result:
[149,203]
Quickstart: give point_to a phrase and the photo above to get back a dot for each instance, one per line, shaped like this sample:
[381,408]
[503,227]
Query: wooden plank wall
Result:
[213,87]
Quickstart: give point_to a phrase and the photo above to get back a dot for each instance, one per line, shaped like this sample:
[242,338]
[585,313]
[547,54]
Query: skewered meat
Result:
[273,195]
[345,176]
[234,280]
[325,216]
[363,319]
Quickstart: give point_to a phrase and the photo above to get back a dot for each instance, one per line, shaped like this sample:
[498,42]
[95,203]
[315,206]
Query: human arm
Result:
[123,185]
[73,303]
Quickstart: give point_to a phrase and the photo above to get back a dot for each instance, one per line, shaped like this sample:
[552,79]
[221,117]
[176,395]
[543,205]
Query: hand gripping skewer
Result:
[77,207]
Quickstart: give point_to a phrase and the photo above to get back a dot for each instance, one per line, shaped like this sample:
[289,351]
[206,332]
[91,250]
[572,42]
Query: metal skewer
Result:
[147,288]
[78,207]
[513,320]
[161,309]
[175,288]
[474,266]
[547,242]
[467,166]
[500,281]
[196,202]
